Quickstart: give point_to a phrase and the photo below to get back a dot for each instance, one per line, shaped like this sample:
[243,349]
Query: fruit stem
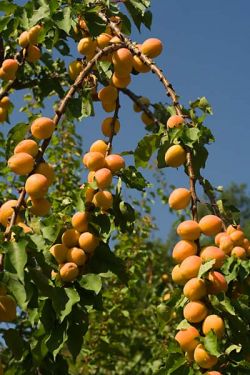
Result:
[112,125]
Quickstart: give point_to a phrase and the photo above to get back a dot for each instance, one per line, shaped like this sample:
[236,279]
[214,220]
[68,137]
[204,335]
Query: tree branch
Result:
[112,125]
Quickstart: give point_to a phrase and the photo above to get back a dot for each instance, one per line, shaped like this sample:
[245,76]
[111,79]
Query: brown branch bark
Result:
[114,118]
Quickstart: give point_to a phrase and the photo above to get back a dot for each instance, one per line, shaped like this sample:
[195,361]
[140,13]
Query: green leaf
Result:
[57,338]
[183,325]
[73,298]
[16,255]
[39,14]
[16,288]
[64,20]
[211,344]
[134,179]
[204,268]
[91,282]
[87,106]
[144,150]
[15,135]
[232,348]
[15,343]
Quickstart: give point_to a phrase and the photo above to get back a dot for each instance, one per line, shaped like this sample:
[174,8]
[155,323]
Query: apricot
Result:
[103,178]
[120,82]
[195,311]
[89,194]
[36,185]
[139,65]
[179,199]
[33,34]
[190,266]
[213,373]
[152,47]
[88,242]
[177,275]
[86,46]
[147,120]
[23,39]
[107,127]
[69,272]
[46,170]
[94,160]
[226,244]
[10,66]
[115,162]
[70,238]
[59,252]
[103,200]
[21,163]
[218,237]
[40,207]
[99,146]
[203,358]
[216,283]
[184,249]
[7,309]
[6,211]
[144,101]
[27,145]
[187,338]
[80,221]
[103,40]
[77,256]
[195,289]
[5,102]
[213,323]
[189,230]
[239,252]
[175,156]
[42,128]
[91,176]
[246,243]
[237,237]
[108,94]
[75,68]
[33,53]
[175,121]
[210,225]
[25,227]
[108,106]
[3,114]
[213,252]
[123,61]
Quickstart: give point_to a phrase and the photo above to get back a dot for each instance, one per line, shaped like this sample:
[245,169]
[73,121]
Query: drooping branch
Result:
[112,125]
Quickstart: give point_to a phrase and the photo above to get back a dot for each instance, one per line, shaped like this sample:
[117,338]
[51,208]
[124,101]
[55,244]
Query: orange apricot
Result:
[27,145]
[175,156]
[91,176]
[103,200]
[108,128]
[218,237]
[123,61]
[189,230]
[70,238]
[77,256]
[21,163]
[109,106]
[203,358]
[216,283]
[152,47]
[184,249]
[120,82]
[213,252]
[10,67]
[59,252]
[86,46]
[177,275]
[190,266]
[195,311]
[69,272]
[210,225]
[89,194]
[108,94]
[5,102]
[226,244]
[33,53]
[115,162]
[80,221]
[179,199]
[40,207]
[237,237]
[7,309]
[6,211]
[213,323]
[175,121]
[103,178]
[75,68]
[3,114]
[37,185]
[46,170]
[99,146]
[239,252]
[88,242]
[213,373]
[33,34]
[103,40]
[95,160]
[195,289]
[139,65]
[231,229]
[187,338]
[23,39]
[25,227]
[42,128]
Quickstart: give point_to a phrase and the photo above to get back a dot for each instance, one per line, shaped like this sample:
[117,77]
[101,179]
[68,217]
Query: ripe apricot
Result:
[195,311]
[40,207]
[80,221]
[33,53]
[195,289]
[27,145]
[6,211]
[69,272]
[99,146]
[175,156]
[59,252]
[190,266]
[10,67]
[88,242]
[213,252]
[75,68]
[108,106]
[203,358]
[147,120]
[177,275]
[143,100]
[21,163]
[108,94]
[226,244]
[103,178]
[103,200]
[5,102]
[36,185]
[70,238]
[210,225]
[184,249]
[237,237]
[77,256]
[115,162]
[175,121]
[25,227]
[187,338]
[42,128]
[120,82]
[33,34]
[86,46]
[218,237]
[213,323]
[108,128]
[152,47]
[179,199]
[89,194]
[46,170]
[232,228]
[123,61]
[245,244]
[239,252]
[189,230]
[216,283]
[7,309]
[95,161]
[3,114]
[139,65]
[213,373]
[23,39]
[103,40]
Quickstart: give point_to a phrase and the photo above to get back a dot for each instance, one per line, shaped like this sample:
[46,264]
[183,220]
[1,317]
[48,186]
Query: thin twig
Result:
[112,125]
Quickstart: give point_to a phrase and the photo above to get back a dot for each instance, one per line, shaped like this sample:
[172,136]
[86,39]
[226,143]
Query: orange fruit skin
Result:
[203,358]
[175,156]
[183,249]
[175,121]
[103,40]
[187,338]
[195,311]
[212,252]
[75,68]
[210,225]
[107,129]
[226,244]
[120,82]
[27,145]
[195,289]
[138,65]
[21,163]
[42,128]
[59,252]
[115,162]
[3,114]
[108,107]
[10,66]
[213,323]
[219,237]
[46,170]
[33,34]
[239,252]
[190,267]
[94,160]
[88,242]
[237,237]
[179,199]
[40,207]
[103,200]
[23,39]
[86,46]
[5,102]
[69,272]
[152,47]
[108,94]
[33,54]
[36,185]
[177,276]
[213,373]
[189,230]
[70,238]
[103,178]
[217,283]
[6,211]
[77,256]
[80,221]
[99,146]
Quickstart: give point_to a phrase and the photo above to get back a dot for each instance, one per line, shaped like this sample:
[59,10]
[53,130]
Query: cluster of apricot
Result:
[78,244]
[4,106]
[7,306]
[28,40]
